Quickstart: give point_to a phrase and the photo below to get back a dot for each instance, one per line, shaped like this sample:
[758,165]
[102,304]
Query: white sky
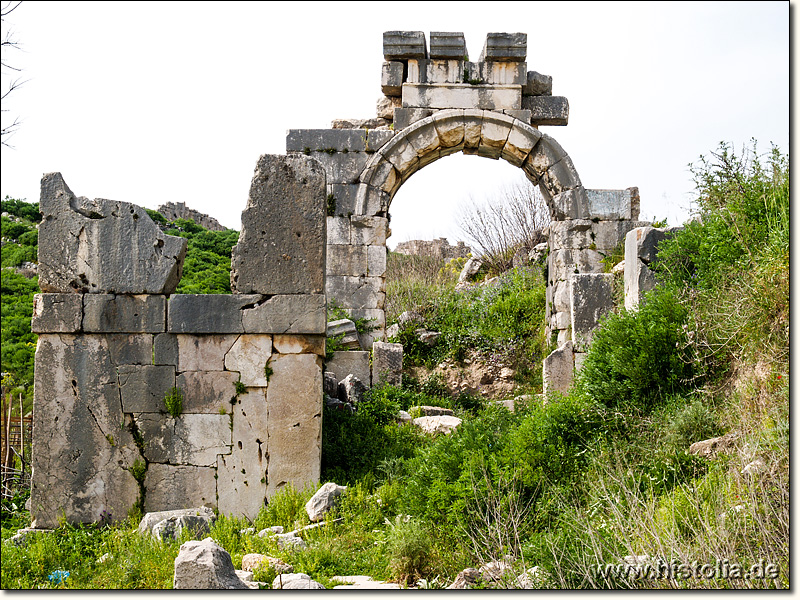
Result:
[155,102]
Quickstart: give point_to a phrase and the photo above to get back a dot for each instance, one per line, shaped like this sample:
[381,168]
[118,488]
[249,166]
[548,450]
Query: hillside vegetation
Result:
[600,476]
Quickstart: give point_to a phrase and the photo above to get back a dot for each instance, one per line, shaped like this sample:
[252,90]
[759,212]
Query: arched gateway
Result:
[438,103]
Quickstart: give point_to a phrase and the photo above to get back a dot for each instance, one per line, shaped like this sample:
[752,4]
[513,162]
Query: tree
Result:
[9,72]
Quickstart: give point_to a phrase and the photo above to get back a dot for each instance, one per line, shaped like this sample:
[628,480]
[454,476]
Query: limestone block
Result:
[242,475]
[563,263]
[561,298]
[612,205]
[403,117]
[473,120]
[444,424]
[338,230]
[387,363]
[642,243]
[547,110]
[519,144]
[172,486]
[591,297]
[386,105]
[371,201]
[281,248]
[505,46]
[543,156]
[376,261]
[345,363]
[347,260]
[560,320]
[368,231]
[294,421]
[345,331]
[402,155]
[423,137]
[376,319]
[360,292]
[249,355]
[204,565]
[450,128]
[462,95]
[82,450]
[537,84]
[381,173]
[57,313]
[561,177]
[558,369]
[494,133]
[130,348]
[607,235]
[143,387]
[103,246]
[203,352]
[404,44]
[638,279]
[523,115]
[208,313]
[323,501]
[392,78]
[151,519]
[575,233]
[124,313]
[342,167]
[345,198]
[448,44]
[287,314]
[503,73]
[190,439]
[443,71]
[299,344]
[570,204]
[326,140]
[165,349]
[207,391]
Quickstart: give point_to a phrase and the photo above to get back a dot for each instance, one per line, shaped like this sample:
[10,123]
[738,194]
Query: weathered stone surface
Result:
[323,501]
[591,297]
[344,363]
[249,355]
[387,363]
[465,579]
[570,204]
[57,313]
[368,230]
[470,269]
[563,263]
[281,248]
[205,566]
[435,411]
[347,260]
[502,73]
[342,167]
[103,246]
[296,581]
[386,105]
[709,448]
[543,156]
[537,84]
[151,519]
[505,46]
[462,95]
[131,348]
[110,313]
[376,319]
[611,205]
[172,211]
[609,234]
[559,178]
[375,123]
[173,527]
[207,391]
[361,292]
[571,234]
[338,230]
[351,390]
[253,562]
[345,332]
[446,44]
[190,439]
[641,245]
[208,313]
[494,133]
[299,313]
[171,486]
[299,344]
[294,419]
[558,368]
[404,44]
[547,110]
[143,387]
[440,424]
[77,407]
[165,349]
[327,140]
[404,117]
[519,144]
[392,78]
[201,352]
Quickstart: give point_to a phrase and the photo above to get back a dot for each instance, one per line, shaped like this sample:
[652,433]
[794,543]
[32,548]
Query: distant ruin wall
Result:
[147,398]
[439,248]
[178,210]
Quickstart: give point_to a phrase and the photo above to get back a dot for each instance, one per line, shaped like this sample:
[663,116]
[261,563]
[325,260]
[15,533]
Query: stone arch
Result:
[484,133]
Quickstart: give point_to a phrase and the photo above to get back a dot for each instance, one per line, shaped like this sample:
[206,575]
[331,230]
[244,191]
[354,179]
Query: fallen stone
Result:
[404,417]
[295,581]
[347,330]
[434,411]
[755,467]
[351,390]
[387,363]
[24,535]
[247,531]
[246,577]
[442,424]
[151,519]
[718,445]
[290,541]
[428,337]
[495,571]
[361,582]
[533,578]
[471,268]
[465,579]
[203,565]
[103,246]
[173,527]
[558,369]
[323,501]
[253,562]
[270,531]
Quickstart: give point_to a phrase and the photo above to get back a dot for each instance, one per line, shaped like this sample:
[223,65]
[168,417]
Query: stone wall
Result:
[148,398]
[178,210]
[438,248]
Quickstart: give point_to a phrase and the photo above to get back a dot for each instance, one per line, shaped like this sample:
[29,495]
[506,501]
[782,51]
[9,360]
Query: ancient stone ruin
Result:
[439,248]
[163,401]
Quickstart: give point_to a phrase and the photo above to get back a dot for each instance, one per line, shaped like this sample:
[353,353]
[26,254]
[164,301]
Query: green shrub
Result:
[409,546]
[173,401]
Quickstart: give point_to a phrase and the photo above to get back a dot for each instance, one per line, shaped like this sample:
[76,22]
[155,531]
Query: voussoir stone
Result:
[101,246]
[281,248]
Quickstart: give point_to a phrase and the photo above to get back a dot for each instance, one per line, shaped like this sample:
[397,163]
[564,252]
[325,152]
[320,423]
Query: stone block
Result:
[404,44]
[347,260]
[447,44]
[248,356]
[130,348]
[387,363]
[345,363]
[345,331]
[537,84]
[503,73]
[207,392]
[613,205]
[520,143]
[82,450]
[376,319]
[561,177]
[342,167]
[450,128]
[376,261]
[371,201]
[318,141]
[435,71]
[205,565]
[202,352]
[642,243]
[494,133]
[392,78]
[345,195]
[385,106]
[190,439]
[165,349]
[124,313]
[591,297]
[573,234]
[423,139]
[382,175]
[523,115]
[287,314]
[299,344]
[462,95]
[563,263]
[547,110]
[607,235]
[338,230]
[543,156]
[368,231]
[360,292]
[561,298]
[57,313]
[294,421]
[208,313]
[557,369]
[402,155]
[103,246]
[170,486]
[281,248]
[570,204]
[143,387]
[403,117]
[505,47]
[561,320]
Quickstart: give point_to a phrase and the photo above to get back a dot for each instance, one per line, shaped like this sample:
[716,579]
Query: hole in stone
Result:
[240,445]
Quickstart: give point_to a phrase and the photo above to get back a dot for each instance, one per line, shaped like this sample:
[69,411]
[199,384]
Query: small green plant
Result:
[240,388]
[268,371]
[331,205]
[138,469]
[110,439]
[173,401]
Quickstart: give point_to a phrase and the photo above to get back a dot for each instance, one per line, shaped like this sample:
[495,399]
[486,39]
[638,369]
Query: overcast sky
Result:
[156,102]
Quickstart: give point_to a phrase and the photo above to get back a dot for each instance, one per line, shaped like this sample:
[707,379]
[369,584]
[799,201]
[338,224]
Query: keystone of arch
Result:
[485,133]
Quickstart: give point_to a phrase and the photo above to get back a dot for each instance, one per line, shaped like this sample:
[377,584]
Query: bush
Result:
[409,547]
